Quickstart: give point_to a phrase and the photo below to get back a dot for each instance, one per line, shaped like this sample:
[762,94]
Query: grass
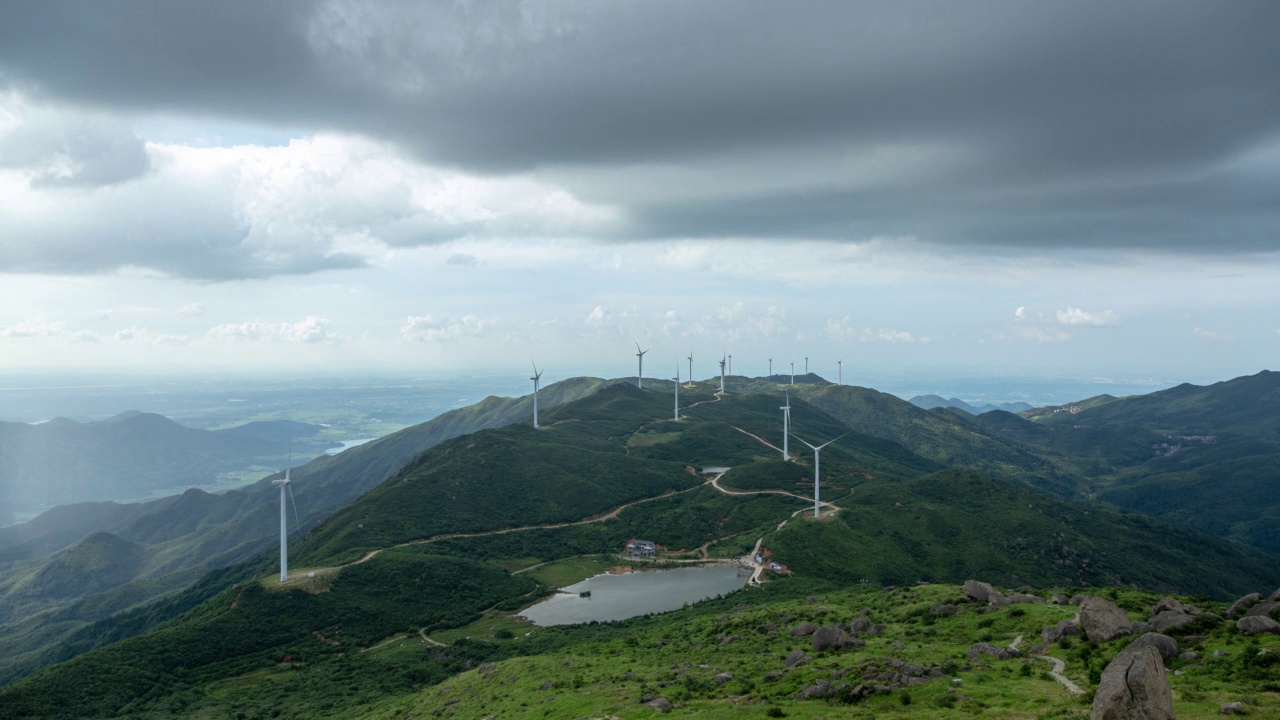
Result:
[563,573]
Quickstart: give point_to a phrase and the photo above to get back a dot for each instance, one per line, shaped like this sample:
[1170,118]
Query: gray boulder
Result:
[797,657]
[803,629]
[1075,600]
[1244,603]
[858,625]
[1134,686]
[722,678]
[1231,708]
[1274,597]
[1167,646]
[1262,608]
[1257,624]
[827,637]
[1024,598]
[1170,619]
[1065,628]
[1102,620]
[1189,656]
[943,610]
[998,653]
[1059,599]
[660,704]
[819,689]
[977,591]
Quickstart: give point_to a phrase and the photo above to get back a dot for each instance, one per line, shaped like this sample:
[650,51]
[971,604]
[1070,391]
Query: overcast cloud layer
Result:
[906,174]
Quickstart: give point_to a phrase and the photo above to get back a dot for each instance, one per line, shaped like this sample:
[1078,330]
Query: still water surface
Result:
[618,597]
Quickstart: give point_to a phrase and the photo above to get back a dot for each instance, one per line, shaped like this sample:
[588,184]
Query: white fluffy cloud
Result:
[32,328]
[308,330]
[193,310]
[1077,316]
[427,328]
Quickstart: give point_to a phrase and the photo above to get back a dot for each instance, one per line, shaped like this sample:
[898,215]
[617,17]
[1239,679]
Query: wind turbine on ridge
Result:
[721,375]
[793,372]
[786,428]
[731,364]
[640,370]
[806,364]
[770,367]
[284,484]
[690,368]
[839,372]
[816,459]
[536,377]
[677,417]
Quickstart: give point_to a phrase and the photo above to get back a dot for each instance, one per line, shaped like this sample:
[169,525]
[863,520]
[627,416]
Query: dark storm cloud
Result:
[1095,124]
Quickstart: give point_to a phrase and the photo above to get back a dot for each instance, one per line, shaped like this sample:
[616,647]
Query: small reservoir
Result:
[608,597]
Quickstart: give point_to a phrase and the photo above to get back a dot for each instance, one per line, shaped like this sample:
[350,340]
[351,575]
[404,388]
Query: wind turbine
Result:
[640,370]
[536,377]
[690,369]
[806,364]
[730,364]
[786,428]
[677,418]
[721,376]
[770,367]
[284,532]
[793,372]
[816,457]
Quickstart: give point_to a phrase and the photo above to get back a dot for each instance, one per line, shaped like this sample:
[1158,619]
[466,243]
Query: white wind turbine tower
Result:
[284,531]
[786,428]
[640,370]
[793,373]
[537,376]
[816,458]
[677,418]
[730,364]
[690,369]
[806,364]
[839,372]
[721,376]
[770,367]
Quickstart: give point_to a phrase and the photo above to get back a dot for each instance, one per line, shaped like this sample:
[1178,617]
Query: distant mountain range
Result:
[131,455]
[929,402]
[93,573]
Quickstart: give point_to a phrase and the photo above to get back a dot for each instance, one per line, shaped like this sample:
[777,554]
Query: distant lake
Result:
[347,445]
[618,597]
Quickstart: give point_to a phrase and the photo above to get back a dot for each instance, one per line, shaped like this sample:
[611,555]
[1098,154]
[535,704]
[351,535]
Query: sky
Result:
[919,187]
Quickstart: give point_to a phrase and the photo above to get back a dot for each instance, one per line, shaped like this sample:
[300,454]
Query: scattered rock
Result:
[977,591]
[1057,599]
[1257,624]
[726,639]
[803,629]
[943,610]
[1274,597]
[774,676]
[722,678]
[546,685]
[1075,600]
[1232,708]
[1165,645]
[1024,598]
[859,624]
[1134,686]
[486,667]
[1102,620]
[1168,604]
[1194,639]
[797,657]
[875,630]
[820,688]
[827,637]
[1189,656]
[660,704]
[998,653]
[1244,603]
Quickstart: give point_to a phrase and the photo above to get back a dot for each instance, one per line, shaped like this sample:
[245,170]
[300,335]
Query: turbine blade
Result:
[296,521]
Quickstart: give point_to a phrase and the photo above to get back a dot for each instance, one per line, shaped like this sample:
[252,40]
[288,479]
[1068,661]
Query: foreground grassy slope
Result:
[729,659]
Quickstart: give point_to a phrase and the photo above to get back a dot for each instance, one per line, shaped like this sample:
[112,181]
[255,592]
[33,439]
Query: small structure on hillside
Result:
[642,548]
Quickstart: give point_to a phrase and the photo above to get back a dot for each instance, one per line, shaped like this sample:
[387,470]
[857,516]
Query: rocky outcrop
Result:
[1165,645]
[1057,599]
[1024,598]
[1170,619]
[1102,620]
[998,653]
[943,610]
[660,704]
[1257,624]
[1065,628]
[722,678]
[859,625]
[1134,686]
[1231,708]
[1262,608]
